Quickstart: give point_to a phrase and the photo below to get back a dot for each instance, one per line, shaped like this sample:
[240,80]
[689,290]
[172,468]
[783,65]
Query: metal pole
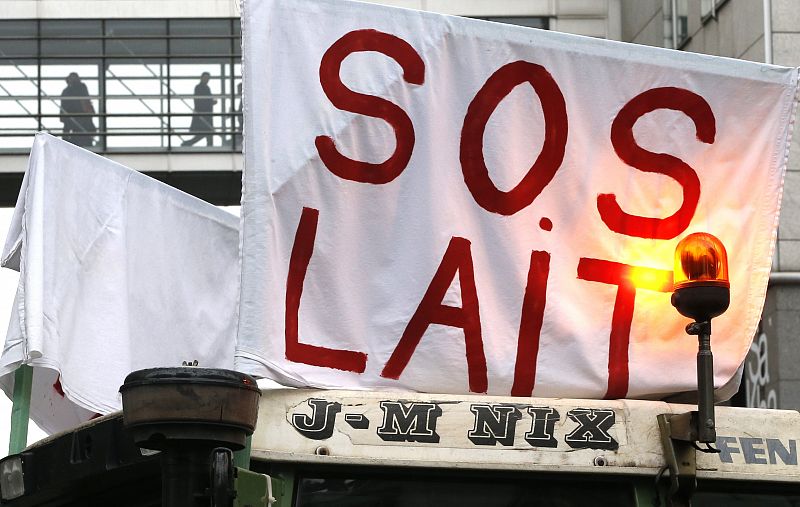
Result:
[768,31]
[241,458]
[706,431]
[674,7]
[185,476]
[784,278]
[20,410]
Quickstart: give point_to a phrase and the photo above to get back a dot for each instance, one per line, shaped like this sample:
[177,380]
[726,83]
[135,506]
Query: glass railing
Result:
[122,85]
[128,85]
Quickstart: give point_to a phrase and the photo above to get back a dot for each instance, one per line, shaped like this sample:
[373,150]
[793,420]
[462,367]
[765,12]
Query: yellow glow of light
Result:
[649,265]
[651,279]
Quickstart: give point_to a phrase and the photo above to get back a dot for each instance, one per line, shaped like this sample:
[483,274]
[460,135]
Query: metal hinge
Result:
[678,440]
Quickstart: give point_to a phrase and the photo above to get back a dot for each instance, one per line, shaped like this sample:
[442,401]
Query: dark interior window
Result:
[417,490]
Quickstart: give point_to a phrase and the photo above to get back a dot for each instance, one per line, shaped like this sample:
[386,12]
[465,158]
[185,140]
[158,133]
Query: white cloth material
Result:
[700,139]
[118,272]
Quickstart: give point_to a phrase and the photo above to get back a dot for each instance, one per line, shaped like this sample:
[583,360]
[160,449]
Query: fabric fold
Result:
[118,272]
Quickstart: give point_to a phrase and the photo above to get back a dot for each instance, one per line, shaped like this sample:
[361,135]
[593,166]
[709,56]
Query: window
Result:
[530,22]
[709,8]
[423,491]
[676,23]
[729,493]
[122,84]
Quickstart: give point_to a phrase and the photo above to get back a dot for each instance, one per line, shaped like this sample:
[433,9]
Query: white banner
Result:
[118,272]
[450,205]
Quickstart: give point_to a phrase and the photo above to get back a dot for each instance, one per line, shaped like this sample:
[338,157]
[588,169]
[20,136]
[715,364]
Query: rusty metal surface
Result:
[173,404]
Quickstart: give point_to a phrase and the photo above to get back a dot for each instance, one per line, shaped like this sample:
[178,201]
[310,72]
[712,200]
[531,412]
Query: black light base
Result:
[702,303]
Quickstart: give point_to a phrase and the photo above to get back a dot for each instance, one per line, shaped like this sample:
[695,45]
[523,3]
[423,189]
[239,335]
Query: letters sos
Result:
[457,260]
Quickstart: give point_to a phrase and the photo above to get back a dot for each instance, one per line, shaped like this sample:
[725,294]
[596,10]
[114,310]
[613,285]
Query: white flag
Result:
[118,272]
[450,205]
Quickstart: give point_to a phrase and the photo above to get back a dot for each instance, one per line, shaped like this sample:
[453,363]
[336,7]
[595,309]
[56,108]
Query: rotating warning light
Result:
[701,289]
[700,260]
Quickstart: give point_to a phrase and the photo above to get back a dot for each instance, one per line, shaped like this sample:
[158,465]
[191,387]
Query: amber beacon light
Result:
[701,292]
[701,287]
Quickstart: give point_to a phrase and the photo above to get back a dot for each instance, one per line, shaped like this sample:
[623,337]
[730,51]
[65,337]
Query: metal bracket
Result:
[257,490]
[270,495]
[678,435]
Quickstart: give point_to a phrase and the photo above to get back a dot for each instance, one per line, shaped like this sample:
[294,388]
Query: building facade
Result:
[762,31]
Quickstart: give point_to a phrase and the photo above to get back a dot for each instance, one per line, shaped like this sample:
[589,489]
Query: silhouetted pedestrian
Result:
[76,112]
[202,121]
